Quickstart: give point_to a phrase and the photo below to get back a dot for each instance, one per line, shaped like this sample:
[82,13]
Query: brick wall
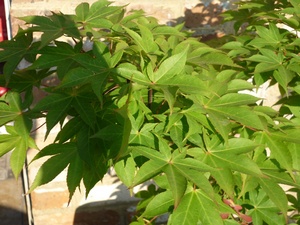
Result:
[201,15]
[109,202]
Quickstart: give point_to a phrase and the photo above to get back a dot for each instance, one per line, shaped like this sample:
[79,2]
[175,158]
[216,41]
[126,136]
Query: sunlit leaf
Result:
[130,72]
[170,67]
[177,182]
[193,208]
[18,157]
[53,27]
[148,170]
[160,204]
[125,169]
[276,194]
[280,152]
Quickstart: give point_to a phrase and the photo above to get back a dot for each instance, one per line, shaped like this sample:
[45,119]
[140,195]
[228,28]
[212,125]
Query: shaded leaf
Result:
[74,175]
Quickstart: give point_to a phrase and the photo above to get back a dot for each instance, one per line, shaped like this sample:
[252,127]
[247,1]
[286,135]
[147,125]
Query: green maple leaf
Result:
[193,208]
[18,138]
[264,209]
[15,50]
[53,27]
[62,155]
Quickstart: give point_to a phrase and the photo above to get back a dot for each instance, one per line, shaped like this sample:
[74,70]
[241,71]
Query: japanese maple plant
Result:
[155,103]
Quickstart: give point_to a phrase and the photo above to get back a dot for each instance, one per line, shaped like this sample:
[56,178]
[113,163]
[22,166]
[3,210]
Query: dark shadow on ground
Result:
[119,209]
[9,216]
[109,214]
[13,210]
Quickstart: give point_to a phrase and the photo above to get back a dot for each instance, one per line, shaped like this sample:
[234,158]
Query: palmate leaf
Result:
[10,110]
[243,115]
[19,145]
[170,94]
[176,171]
[96,15]
[18,156]
[187,84]
[53,27]
[288,135]
[238,85]
[124,111]
[281,177]
[144,41]
[283,76]
[234,99]
[91,62]
[148,170]
[204,56]
[125,169]
[10,107]
[56,106]
[24,81]
[236,146]
[54,149]
[193,208]
[52,56]
[85,145]
[14,51]
[149,153]
[276,194]
[224,178]
[77,76]
[177,182]
[220,123]
[270,35]
[59,56]
[8,142]
[54,166]
[130,72]
[81,76]
[93,173]
[294,150]
[241,163]
[280,152]
[170,67]
[160,204]
[264,209]
[143,135]
[198,179]
[74,174]
[85,110]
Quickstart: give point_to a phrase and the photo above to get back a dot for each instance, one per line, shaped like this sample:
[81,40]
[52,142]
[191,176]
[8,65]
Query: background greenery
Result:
[155,103]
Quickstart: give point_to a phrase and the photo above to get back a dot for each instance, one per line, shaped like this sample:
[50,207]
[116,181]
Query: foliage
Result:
[157,104]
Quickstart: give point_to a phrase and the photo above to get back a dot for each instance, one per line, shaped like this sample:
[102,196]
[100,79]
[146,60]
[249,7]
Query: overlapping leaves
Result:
[157,104]
[18,135]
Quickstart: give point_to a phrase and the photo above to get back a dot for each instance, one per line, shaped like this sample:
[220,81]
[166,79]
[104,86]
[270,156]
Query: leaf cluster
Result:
[156,104]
